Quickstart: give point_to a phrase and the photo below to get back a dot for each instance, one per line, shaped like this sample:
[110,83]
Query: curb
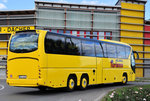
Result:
[2,67]
[101,96]
[2,77]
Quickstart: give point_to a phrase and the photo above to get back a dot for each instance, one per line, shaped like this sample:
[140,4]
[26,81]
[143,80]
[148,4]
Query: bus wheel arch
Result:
[71,82]
[42,88]
[84,81]
[124,78]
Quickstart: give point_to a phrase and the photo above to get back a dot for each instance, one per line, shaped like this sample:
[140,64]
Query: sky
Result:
[29,4]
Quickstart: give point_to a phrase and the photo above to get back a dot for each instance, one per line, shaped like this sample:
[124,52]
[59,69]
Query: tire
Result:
[124,80]
[71,84]
[83,82]
[42,88]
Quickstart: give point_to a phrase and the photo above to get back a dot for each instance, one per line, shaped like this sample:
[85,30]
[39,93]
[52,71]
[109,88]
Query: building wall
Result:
[11,21]
[132,27]
[95,22]
[147,50]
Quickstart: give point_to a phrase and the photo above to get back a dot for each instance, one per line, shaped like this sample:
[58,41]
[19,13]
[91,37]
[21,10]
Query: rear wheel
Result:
[42,88]
[83,82]
[71,84]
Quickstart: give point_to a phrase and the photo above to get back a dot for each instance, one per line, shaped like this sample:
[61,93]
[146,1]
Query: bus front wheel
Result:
[124,80]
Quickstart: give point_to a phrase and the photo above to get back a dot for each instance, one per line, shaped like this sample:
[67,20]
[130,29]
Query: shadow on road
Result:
[37,92]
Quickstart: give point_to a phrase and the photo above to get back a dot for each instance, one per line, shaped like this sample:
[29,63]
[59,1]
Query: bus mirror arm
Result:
[136,54]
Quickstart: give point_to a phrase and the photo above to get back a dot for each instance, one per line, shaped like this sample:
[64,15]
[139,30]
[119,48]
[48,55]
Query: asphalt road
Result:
[93,93]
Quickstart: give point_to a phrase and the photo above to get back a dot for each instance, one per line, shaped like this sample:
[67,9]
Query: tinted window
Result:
[128,50]
[121,52]
[88,48]
[104,45]
[54,44]
[24,42]
[99,52]
[111,51]
[73,46]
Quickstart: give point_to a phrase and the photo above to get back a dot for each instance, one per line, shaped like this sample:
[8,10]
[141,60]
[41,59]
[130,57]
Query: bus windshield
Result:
[24,42]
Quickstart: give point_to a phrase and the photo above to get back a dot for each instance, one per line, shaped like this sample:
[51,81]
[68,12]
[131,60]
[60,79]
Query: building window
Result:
[108,35]
[88,35]
[101,35]
[54,30]
[95,35]
[61,31]
[68,32]
[74,33]
[82,34]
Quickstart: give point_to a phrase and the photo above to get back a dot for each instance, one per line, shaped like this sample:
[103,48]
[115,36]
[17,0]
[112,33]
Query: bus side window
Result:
[111,51]
[69,46]
[128,50]
[121,52]
[54,44]
[99,51]
[73,46]
[88,48]
[104,45]
[77,45]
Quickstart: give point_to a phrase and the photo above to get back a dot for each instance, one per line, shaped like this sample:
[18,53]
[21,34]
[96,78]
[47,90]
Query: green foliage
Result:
[137,93]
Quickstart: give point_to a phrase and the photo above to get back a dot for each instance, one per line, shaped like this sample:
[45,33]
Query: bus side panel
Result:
[112,75]
[112,72]
[99,71]
[61,66]
[42,60]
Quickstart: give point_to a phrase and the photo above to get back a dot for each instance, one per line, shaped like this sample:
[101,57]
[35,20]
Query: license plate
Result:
[22,76]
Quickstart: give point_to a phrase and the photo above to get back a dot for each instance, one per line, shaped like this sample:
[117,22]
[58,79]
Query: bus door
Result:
[99,55]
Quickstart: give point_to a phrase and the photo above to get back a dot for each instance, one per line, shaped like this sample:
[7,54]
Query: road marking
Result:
[101,96]
[1,87]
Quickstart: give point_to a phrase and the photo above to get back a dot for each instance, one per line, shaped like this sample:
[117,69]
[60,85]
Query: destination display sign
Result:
[15,28]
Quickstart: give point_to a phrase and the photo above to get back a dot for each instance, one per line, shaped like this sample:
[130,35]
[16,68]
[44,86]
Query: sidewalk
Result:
[2,72]
[143,79]
[2,76]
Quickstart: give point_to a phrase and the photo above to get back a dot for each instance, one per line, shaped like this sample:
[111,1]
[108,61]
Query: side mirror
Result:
[135,52]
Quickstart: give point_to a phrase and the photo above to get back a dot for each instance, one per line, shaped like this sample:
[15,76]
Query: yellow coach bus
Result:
[45,59]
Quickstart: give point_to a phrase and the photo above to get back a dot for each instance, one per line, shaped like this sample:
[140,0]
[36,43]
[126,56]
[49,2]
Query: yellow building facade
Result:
[132,29]
[6,32]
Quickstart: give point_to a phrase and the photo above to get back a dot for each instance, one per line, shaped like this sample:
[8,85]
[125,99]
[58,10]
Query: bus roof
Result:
[118,42]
